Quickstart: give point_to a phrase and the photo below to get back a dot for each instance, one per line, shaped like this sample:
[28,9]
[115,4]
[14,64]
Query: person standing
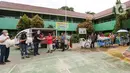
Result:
[23,45]
[71,42]
[93,37]
[63,41]
[49,39]
[4,52]
[36,40]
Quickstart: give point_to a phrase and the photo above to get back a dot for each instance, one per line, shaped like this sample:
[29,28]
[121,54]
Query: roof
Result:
[109,11]
[40,10]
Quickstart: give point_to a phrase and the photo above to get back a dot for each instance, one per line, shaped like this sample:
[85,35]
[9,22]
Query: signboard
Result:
[82,31]
[61,25]
[120,9]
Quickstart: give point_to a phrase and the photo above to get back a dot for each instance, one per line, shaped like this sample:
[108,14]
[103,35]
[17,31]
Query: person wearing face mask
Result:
[36,41]
[4,51]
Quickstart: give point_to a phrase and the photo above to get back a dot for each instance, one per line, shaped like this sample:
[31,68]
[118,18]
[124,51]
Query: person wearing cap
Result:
[23,45]
[4,51]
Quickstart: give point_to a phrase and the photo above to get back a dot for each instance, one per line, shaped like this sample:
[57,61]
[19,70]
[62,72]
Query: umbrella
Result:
[122,30]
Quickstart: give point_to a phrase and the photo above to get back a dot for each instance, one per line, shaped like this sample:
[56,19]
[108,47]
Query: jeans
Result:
[7,51]
[2,53]
[36,44]
[23,49]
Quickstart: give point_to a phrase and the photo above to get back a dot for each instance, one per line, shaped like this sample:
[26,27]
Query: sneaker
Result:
[22,57]
[47,51]
[38,54]
[7,61]
[27,57]
[2,63]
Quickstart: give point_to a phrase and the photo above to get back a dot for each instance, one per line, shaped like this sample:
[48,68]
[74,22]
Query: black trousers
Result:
[2,53]
[7,51]
[92,44]
[36,44]
[63,46]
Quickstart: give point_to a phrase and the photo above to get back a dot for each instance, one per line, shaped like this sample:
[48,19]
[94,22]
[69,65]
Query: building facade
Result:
[106,20]
[10,14]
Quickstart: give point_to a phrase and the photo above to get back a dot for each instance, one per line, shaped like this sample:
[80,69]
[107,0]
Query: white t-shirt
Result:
[3,37]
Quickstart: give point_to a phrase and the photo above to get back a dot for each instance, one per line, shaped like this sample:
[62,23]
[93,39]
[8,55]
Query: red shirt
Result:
[49,39]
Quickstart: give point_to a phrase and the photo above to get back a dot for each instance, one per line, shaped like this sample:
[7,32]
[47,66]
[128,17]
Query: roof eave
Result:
[38,12]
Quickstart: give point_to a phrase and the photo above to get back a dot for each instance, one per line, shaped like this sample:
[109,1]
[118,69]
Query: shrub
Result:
[37,22]
[75,38]
[24,22]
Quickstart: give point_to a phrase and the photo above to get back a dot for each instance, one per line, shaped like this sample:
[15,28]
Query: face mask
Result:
[38,32]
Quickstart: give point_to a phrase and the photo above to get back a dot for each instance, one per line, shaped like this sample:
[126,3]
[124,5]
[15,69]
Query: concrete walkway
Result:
[65,62]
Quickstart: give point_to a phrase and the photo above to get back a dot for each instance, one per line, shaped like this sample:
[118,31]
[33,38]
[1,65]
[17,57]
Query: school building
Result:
[106,20]
[10,14]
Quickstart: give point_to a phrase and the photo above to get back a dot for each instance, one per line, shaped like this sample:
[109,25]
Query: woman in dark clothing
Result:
[93,39]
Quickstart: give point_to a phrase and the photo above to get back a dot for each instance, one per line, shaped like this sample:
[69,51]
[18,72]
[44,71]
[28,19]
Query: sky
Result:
[81,6]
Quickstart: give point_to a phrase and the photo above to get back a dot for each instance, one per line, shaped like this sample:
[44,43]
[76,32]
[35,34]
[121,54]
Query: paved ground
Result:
[65,62]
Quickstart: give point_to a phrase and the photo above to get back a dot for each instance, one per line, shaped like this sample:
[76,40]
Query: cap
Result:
[4,31]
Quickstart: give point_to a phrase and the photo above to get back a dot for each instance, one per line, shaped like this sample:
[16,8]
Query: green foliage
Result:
[67,8]
[37,22]
[75,38]
[86,24]
[119,19]
[89,12]
[24,22]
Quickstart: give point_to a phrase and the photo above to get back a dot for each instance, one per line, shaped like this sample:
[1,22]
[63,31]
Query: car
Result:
[30,32]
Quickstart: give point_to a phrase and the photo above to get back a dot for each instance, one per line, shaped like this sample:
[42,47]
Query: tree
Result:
[119,18]
[89,12]
[87,24]
[37,22]
[50,26]
[24,22]
[67,8]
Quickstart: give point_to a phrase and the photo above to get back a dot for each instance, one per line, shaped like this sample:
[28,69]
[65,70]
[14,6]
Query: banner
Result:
[62,25]
[120,9]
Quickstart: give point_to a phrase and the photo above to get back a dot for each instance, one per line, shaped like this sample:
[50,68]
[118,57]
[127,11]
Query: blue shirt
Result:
[63,39]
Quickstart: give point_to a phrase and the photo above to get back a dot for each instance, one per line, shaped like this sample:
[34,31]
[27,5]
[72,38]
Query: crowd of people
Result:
[37,38]
[94,37]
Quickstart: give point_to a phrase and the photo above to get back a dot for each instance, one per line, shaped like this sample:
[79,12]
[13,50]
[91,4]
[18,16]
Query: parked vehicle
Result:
[30,32]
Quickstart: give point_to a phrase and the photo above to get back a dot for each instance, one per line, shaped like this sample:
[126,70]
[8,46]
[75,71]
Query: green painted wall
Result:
[106,26]
[10,23]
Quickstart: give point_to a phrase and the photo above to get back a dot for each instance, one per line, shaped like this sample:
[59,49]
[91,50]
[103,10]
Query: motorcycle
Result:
[57,45]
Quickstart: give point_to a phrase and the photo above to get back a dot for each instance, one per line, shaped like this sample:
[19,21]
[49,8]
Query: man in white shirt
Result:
[4,52]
